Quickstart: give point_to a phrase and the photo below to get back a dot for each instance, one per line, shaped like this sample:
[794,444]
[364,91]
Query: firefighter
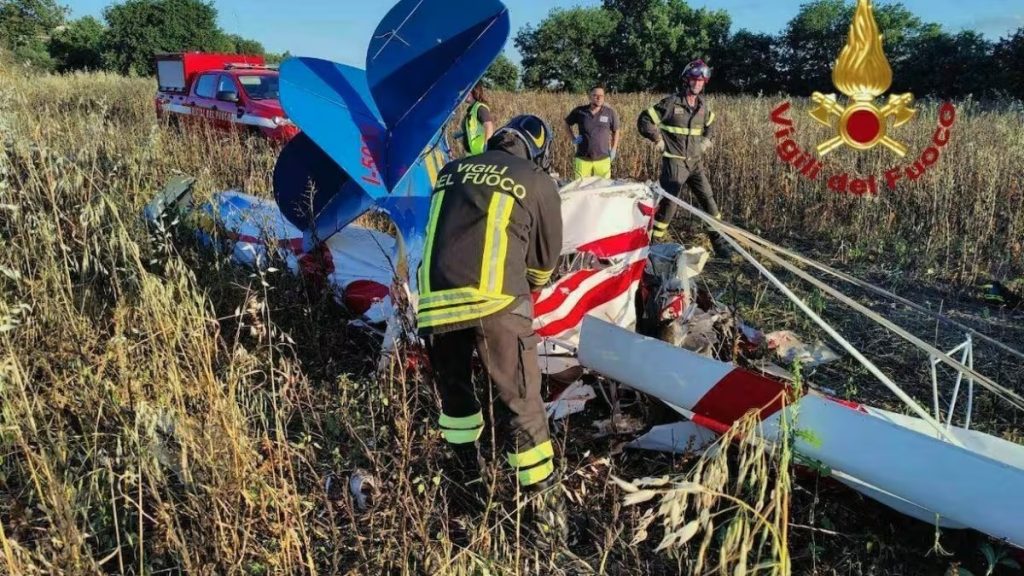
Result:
[494,235]
[477,125]
[681,127]
[598,138]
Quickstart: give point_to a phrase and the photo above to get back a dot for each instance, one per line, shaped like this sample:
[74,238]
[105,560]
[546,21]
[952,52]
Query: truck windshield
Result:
[261,87]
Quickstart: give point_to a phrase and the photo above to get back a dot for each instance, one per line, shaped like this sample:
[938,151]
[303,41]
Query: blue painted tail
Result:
[382,129]
[424,58]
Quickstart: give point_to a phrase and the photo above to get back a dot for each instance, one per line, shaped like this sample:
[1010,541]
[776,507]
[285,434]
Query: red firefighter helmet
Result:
[696,70]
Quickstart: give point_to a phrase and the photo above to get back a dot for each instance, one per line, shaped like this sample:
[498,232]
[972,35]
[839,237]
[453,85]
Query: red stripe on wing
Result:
[739,392]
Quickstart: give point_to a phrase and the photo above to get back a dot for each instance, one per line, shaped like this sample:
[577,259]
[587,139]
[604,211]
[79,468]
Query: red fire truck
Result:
[228,91]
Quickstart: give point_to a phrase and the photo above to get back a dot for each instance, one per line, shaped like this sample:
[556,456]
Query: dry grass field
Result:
[163,412]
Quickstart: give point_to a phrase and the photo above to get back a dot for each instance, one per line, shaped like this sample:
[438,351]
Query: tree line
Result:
[624,45]
[632,45]
[39,34]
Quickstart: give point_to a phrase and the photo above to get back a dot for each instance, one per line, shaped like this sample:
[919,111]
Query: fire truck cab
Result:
[227,91]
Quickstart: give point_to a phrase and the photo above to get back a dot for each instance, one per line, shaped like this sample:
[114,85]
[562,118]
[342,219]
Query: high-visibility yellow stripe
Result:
[539,276]
[462,436]
[492,269]
[711,118]
[533,456]
[667,155]
[435,210]
[654,115]
[658,234]
[660,225]
[462,422]
[683,131]
[452,297]
[502,241]
[536,474]
[487,262]
[464,313]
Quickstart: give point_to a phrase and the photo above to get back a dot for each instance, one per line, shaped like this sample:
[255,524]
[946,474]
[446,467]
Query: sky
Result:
[340,30]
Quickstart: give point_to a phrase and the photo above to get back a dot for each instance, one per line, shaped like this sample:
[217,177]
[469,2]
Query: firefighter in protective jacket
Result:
[681,126]
[493,236]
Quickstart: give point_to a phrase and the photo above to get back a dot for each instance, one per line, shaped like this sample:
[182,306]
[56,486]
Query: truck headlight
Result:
[282,121]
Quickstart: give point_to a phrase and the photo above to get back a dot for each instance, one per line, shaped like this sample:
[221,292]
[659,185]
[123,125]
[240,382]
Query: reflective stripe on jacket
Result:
[493,234]
[681,127]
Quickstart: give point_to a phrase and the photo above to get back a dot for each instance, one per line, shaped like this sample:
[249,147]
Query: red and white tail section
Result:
[605,246]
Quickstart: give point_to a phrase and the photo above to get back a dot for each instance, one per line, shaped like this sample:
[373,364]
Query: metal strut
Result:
[892,386]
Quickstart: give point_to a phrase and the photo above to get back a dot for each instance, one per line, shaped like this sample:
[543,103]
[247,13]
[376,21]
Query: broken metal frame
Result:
[768,250]
[728,233]
[967,358]
[1006,394]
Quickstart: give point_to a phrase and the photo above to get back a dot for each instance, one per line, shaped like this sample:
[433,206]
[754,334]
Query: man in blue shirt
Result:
[598,138]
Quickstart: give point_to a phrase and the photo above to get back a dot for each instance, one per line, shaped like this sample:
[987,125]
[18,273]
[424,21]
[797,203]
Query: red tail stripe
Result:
[563,289]
[618,244]
[598,295]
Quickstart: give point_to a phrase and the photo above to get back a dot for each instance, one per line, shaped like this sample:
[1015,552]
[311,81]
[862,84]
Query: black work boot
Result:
[547,515]
[466,490]
[722,248]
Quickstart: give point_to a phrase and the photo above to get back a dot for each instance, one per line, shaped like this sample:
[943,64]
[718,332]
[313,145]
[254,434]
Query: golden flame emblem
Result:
[863,74]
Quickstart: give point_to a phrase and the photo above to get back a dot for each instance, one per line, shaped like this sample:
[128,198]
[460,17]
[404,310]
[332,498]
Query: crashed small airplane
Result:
[373,141]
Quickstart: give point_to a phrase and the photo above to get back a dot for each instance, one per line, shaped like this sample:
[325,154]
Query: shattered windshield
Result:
[260,87]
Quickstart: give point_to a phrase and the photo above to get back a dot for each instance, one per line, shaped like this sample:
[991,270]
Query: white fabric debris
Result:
[790,349]
[619,424]
[572,400]
[363,486]
[678,437]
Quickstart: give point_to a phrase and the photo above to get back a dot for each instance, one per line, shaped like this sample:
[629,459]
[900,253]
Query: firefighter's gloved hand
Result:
[659,145]
[577,140]
[705,145]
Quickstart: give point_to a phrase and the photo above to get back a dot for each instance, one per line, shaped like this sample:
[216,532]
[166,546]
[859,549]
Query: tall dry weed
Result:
[162,411]
[960,221]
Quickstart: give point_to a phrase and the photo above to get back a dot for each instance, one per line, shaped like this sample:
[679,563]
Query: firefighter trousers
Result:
[675,175]
[507,347]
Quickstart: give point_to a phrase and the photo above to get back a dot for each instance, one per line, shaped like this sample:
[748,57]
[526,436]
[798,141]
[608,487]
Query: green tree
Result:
[814,38]
[1008,57]
[947,65]
[747,63]
[560,51]
[655,39]
[238,45]
[138,29]
[79,45]
[502,75]
[25,28]
[812,42]
[273,58]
